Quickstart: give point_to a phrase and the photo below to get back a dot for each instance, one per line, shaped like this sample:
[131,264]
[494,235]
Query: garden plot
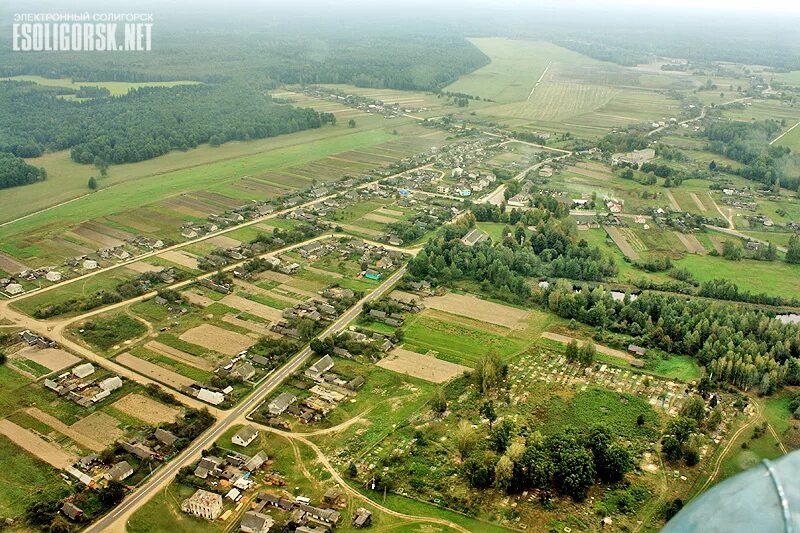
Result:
[249,306]
[672,201]
[255,327]
[222,241]
[100,427]
[375,217]
[183,357]
[564,339]
[255,289]
[143,268]
[554,369]
[622,242]
[147,410]
[51,358]
[11,265]
[484,311]
[692,244]
[180,258]
[697,202]
[153,371]
[36,446]
[421,366]
[197,299]
[218,339]
[87,234]
[78,433]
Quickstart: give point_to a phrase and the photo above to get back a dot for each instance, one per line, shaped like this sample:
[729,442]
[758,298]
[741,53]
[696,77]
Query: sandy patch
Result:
[36,446]
[146,409]
[167,377]
[75,432]
[379,218]
[473,307]
[218,339]
[180,258]
[254,308]
[421,366]
[51,358]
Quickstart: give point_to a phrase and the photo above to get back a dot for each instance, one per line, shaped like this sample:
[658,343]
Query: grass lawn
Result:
[454,342]
[22,476]
[775,278]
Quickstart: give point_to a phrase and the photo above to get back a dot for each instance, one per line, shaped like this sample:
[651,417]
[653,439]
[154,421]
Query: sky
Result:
[780,6]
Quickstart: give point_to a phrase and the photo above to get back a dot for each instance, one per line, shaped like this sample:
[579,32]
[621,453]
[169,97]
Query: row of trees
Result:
[743,347]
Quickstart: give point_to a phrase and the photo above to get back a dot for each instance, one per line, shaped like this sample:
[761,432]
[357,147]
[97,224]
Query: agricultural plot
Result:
[146,409]
[478,309]
[421,366]
[217,339]
[455,341]
[52,359]
[621,239]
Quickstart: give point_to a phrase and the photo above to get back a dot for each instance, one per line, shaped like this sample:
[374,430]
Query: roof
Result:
[325,363]
[164,436]
[204,497]
[253,521]
[71,510]
[120,471]
[474,237]
[246,434]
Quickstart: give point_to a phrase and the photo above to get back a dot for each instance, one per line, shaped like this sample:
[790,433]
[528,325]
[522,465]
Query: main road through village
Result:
[116,519]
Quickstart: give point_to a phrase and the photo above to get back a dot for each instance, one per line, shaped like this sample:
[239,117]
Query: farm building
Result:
[474,237]
[81,371]
[253,522]
[635,158]
[636,350]
[372,274]
[362,518]
[282,402]
[212,397]
[203,504]
[316,370]
[71,511]
[245,436]
[120,471]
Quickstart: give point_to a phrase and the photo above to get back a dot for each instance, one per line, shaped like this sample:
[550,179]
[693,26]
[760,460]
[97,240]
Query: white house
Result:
[203,504]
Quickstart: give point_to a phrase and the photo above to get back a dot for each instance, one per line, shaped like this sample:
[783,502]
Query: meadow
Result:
[116,88]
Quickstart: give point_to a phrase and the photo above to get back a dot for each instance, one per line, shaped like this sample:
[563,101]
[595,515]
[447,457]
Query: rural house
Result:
[282,402]
[316,370]
[203,504]
[245,436]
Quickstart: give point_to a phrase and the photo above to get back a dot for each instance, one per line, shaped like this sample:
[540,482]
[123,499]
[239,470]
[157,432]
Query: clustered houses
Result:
[325,388]
[683,222]
[77,385]
[302,516]
[362,103]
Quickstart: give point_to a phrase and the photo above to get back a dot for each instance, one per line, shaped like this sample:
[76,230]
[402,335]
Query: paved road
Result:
[116,520]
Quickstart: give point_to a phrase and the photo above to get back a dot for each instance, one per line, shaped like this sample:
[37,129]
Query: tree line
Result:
[15,171]
[143,124]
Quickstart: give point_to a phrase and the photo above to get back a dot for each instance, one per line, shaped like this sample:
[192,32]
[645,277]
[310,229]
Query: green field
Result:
[456,342]
[22,476]
[115,87]
[775,278]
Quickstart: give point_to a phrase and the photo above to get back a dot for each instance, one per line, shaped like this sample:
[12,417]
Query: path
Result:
[778,138]
[540,79]
[356,494]
[116,519]
[728,446]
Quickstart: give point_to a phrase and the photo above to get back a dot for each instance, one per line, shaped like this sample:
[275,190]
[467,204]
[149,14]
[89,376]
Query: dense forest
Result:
[406,62]
[143,124]
[14,171]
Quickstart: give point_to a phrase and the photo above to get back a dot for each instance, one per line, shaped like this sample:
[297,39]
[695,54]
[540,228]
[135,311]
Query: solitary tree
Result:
[92,183]
[351,123]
